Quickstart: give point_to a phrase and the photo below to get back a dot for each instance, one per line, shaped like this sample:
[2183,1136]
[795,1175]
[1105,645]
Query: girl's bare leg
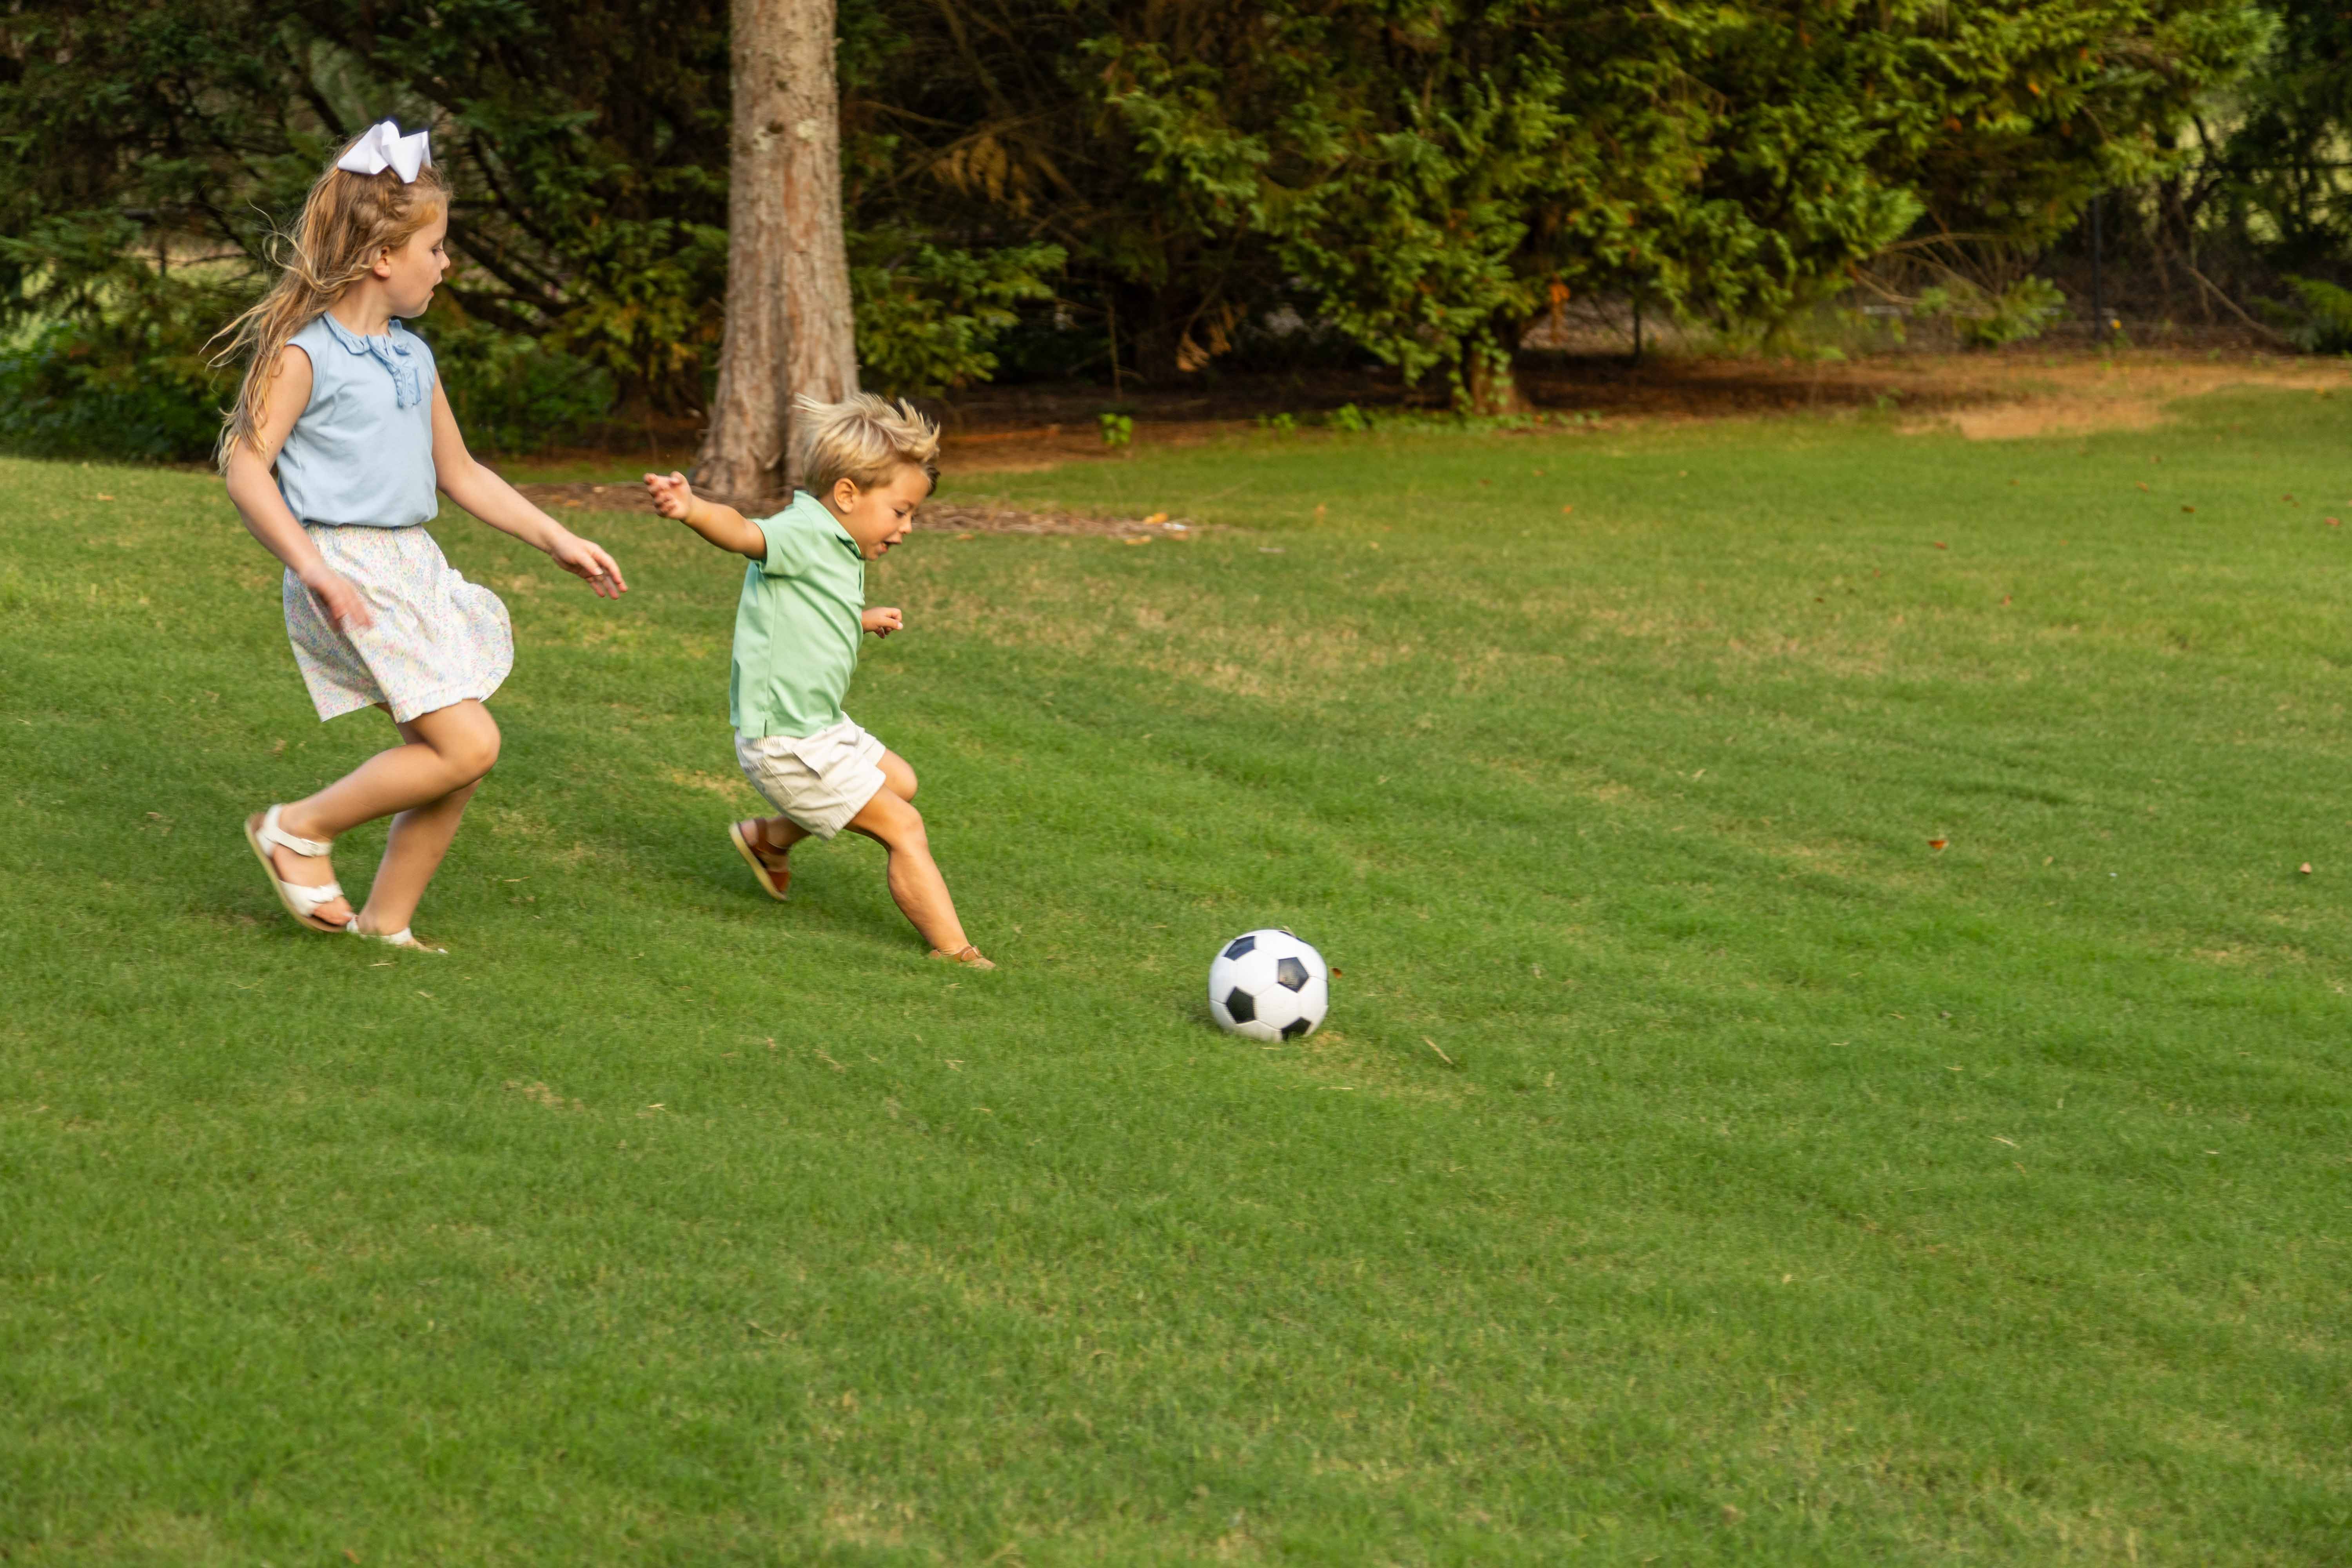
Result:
[448,752]
[420,838]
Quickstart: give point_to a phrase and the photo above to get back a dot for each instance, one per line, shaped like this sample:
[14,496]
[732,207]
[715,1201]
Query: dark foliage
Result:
[1081,185]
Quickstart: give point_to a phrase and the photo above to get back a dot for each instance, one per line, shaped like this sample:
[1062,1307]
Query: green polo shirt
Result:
[797,624]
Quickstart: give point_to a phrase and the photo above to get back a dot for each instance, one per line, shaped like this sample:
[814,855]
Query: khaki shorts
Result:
[819,781]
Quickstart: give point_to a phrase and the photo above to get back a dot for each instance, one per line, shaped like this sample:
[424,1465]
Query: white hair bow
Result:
[383,147]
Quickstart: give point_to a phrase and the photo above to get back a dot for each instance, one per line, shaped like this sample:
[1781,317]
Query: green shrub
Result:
[1985,320]
[927,316]
[106,357]
[511,394]
[64,395]
[2318,320]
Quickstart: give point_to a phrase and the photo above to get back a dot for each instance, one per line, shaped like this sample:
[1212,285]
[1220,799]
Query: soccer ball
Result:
[1269,985]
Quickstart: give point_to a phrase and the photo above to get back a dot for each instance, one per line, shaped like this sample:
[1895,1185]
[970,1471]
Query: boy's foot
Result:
[968,956]
[773,866]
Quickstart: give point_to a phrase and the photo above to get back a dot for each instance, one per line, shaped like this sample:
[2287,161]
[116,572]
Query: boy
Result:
[864,465]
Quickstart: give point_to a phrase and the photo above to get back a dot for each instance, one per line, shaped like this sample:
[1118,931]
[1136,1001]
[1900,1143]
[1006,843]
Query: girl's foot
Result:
[298,873]
[773,866]
[968,955]
[404,937]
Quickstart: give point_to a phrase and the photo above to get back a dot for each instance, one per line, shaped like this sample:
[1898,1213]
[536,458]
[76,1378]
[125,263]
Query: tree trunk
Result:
[1488,384]
[789,327]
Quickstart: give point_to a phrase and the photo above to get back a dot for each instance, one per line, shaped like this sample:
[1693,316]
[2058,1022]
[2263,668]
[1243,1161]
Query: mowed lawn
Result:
[1698,1166]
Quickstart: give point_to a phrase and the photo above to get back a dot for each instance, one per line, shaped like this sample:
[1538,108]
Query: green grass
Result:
[1787,1191]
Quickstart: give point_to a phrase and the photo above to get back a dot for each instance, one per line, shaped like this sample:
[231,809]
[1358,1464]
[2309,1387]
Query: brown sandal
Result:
[968,956]
[777,880]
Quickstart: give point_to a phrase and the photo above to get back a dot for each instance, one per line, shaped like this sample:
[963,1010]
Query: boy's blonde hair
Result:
[863,439]
[346,220]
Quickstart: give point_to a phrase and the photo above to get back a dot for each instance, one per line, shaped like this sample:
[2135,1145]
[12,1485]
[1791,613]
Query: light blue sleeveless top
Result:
[362,454]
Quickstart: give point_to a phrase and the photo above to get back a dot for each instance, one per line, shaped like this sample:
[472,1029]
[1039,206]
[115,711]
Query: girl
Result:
[344,404]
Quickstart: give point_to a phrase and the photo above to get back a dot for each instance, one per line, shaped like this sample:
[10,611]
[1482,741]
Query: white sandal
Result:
[404,937]
[303,903]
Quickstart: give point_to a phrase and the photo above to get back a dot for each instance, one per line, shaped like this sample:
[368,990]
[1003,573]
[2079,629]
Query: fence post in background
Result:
[2098,275]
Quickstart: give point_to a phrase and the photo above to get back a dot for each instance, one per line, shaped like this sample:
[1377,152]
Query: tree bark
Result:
[788,326]
[1487,382]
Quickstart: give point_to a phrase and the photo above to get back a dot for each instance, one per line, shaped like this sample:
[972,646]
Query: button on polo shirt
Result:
[797,624]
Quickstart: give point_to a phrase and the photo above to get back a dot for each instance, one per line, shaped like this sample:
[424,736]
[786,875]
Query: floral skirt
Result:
[437,638]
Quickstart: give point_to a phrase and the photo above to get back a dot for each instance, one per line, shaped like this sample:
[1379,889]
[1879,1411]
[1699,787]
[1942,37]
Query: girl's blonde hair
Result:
[862,439]
[346,219]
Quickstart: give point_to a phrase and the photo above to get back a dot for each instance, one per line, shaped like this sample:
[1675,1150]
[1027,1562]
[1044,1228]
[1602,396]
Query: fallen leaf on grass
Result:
[2136,485]
[1142,538]
[1155,518]
[1939,545]
[2333,523]
[2305,868]
[1937,843]
[2188,509]
[1566,509]
[965,536]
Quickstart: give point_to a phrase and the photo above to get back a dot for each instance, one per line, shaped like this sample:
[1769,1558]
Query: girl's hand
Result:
[672,496]
[586,560]
[343,603]
[882,622]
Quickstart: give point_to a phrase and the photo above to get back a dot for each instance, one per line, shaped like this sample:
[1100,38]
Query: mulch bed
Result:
[932,517]
[991,517]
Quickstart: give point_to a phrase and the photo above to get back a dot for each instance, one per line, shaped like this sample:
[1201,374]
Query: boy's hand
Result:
[672,496]
[882,622]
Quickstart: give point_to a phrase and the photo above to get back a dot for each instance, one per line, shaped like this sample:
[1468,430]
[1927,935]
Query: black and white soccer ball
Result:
[1269,985]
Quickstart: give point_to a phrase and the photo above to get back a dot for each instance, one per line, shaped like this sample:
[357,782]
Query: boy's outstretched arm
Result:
[722,525]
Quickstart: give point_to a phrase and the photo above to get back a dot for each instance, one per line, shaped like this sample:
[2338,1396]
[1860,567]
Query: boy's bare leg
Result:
[773,837]
[916,885]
